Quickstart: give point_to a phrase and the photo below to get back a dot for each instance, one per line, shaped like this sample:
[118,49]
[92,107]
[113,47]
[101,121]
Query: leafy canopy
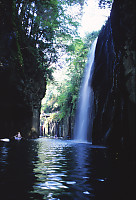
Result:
[62,95]
[35,30]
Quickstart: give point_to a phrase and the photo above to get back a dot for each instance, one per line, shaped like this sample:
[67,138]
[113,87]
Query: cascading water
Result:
[84,115]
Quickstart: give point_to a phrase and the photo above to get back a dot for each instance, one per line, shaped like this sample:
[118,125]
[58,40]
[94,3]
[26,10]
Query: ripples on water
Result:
[58,169]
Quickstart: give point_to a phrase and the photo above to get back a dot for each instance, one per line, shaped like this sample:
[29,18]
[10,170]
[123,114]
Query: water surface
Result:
[59,169]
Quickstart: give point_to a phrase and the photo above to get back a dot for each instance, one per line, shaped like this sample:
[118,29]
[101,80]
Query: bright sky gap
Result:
[93,17]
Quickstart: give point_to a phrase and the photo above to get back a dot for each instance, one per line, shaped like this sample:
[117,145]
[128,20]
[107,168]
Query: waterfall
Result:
[84,113]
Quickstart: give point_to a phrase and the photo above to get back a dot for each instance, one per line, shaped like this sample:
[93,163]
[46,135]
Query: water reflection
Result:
[57,169]
[16,170]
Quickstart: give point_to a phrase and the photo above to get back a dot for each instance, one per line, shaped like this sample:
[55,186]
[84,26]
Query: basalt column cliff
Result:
[114,79]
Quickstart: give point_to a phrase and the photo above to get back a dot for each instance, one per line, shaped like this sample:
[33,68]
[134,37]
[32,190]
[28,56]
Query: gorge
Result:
[100,163]
[113,83]
[113,80]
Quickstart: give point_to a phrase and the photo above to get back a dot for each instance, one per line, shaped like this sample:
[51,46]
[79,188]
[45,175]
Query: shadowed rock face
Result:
[21,91]
[114,79]
[20,103]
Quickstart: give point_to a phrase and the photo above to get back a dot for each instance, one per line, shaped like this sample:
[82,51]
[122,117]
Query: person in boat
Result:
[18,136]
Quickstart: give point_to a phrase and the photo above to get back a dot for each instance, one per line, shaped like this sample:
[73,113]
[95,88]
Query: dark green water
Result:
[58,169]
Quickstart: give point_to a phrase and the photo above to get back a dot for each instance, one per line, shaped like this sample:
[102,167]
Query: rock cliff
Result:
[20,102]
[114,79]
[22,81]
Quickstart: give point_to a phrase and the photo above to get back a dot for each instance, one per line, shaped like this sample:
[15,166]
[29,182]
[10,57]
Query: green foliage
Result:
[33,31]
[63,94]
[105,3]
[50,104]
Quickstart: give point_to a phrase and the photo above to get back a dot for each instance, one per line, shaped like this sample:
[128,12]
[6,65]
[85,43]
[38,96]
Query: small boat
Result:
[17,138]
[5,140]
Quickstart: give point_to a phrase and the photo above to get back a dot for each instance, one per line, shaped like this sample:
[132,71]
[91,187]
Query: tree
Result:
[105,3]
[39,28]
[65,99]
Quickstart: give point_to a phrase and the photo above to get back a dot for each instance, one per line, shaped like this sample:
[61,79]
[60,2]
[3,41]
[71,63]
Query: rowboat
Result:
[17,138]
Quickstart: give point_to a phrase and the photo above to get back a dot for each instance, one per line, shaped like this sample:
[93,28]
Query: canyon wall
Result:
[22,82]
[114,79]
[20,103]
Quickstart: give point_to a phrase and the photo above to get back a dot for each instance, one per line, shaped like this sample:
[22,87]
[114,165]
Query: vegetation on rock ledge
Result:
[62,93]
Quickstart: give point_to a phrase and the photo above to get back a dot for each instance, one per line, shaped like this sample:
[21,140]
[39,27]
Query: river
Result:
[61,170]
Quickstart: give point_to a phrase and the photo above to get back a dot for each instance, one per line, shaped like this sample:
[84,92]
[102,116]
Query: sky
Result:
[93,17]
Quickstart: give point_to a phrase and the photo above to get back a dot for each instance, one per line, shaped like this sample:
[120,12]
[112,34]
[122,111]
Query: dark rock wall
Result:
[114,79]
[21,91]
[20,103]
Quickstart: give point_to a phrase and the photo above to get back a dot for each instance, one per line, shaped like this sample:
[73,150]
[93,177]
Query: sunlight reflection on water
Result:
[57,169]
[66,167]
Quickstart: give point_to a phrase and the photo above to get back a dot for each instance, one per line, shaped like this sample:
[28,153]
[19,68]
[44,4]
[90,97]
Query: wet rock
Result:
[114,80]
